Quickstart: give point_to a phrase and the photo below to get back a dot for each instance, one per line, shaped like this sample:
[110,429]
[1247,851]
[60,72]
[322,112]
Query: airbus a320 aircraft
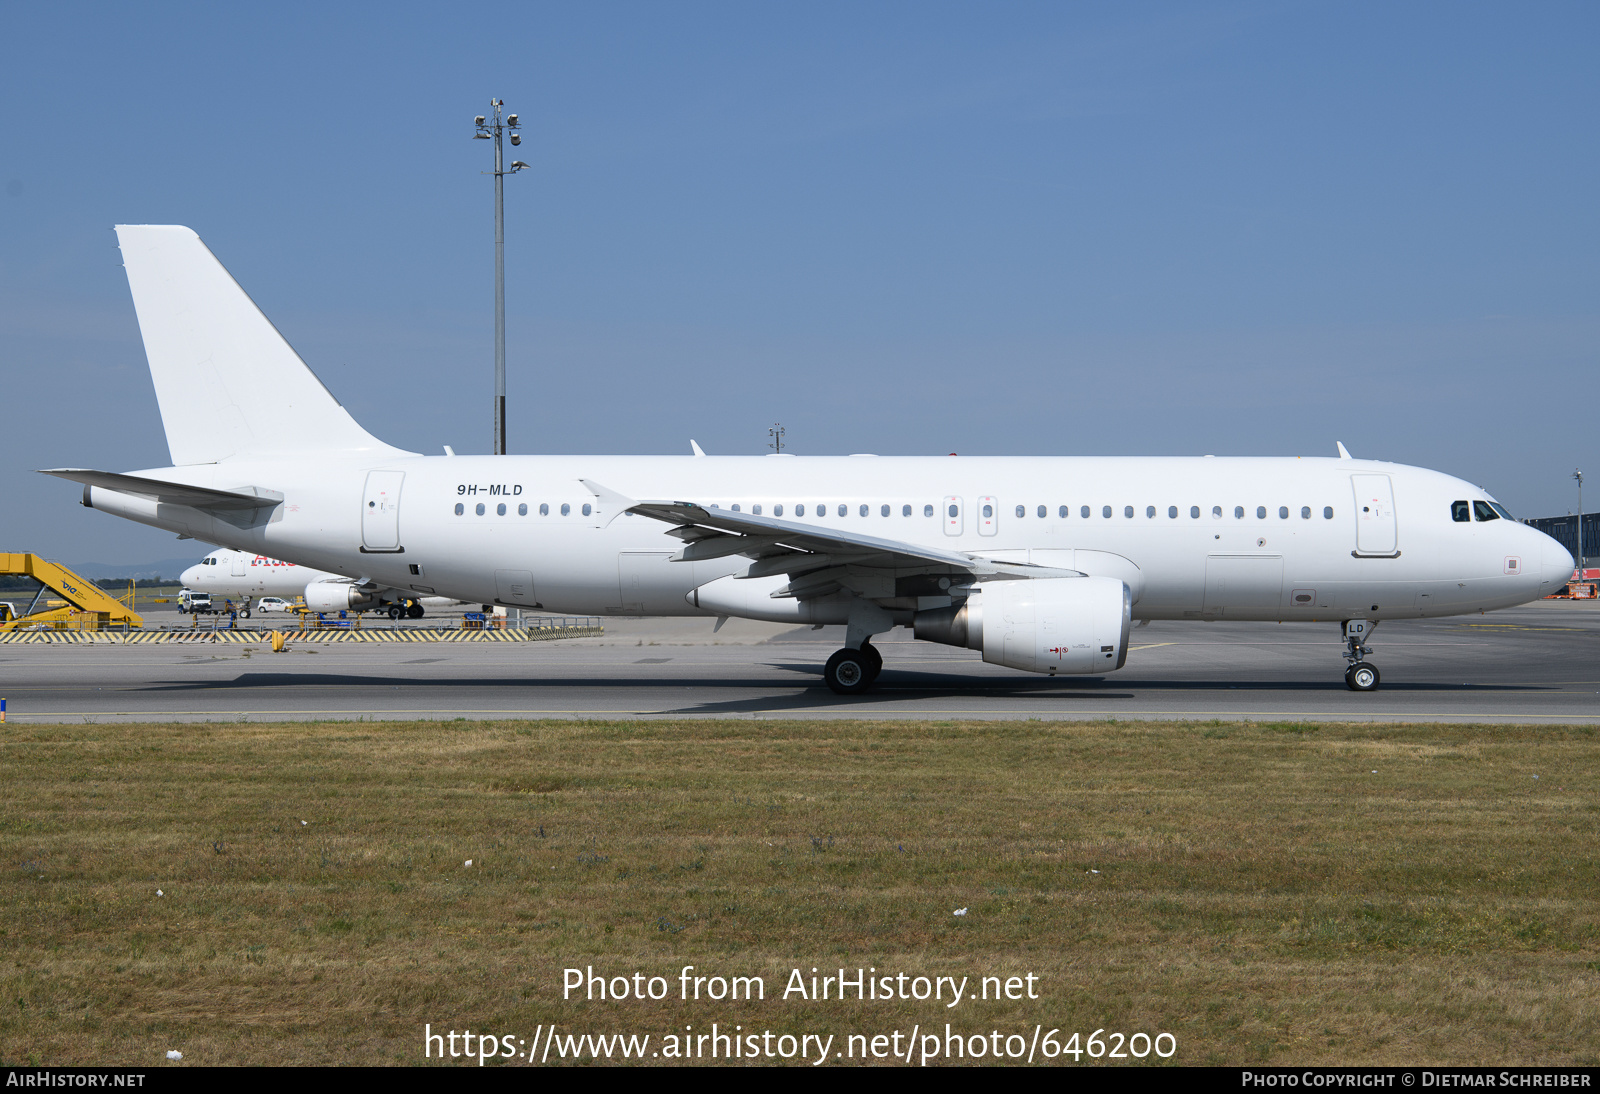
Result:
[1043,564]
[228,572]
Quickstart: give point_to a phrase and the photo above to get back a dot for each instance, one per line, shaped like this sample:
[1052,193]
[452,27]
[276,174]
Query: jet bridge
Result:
[88,607]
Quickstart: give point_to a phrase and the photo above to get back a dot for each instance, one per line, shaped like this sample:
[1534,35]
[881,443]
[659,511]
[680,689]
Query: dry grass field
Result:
[1281,894]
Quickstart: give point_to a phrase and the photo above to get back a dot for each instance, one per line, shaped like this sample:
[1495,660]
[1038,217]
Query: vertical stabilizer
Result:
[227,382]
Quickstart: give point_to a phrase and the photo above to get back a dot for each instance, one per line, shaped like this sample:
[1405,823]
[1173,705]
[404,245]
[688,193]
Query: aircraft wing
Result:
[172,493]
[820,559]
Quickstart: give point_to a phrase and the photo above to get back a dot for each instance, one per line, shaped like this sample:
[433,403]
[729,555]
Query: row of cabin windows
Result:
[1458,511]
[1106,511]
[522,509]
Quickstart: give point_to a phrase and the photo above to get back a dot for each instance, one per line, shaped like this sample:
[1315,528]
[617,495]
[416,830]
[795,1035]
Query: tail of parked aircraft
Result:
[227,382]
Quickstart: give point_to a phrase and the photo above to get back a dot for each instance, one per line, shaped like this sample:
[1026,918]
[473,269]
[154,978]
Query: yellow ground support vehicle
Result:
[86,606]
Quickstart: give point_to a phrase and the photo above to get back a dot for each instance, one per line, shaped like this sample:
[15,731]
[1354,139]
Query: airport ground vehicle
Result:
[273,604]
[1043,564]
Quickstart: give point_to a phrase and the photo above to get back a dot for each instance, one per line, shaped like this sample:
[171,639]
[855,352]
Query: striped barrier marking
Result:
[416,634]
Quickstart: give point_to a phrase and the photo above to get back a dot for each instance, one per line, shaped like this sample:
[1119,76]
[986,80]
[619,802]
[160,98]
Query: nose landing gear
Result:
[1361,675]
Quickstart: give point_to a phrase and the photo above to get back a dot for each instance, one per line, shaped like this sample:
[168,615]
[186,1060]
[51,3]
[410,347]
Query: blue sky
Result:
[898,228]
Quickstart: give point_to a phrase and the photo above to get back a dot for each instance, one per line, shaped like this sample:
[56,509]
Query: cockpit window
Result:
[1484,511]
[1501,509]
[1460,512]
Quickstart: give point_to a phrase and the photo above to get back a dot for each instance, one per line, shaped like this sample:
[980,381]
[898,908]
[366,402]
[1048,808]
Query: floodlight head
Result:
[517,165]
[478,119]
[480,136]
[511,119]
[516,138]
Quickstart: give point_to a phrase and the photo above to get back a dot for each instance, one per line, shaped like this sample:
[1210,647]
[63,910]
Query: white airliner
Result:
[1043,564]
[245,574]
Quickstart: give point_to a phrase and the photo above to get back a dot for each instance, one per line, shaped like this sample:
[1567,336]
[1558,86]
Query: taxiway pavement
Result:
[1538,663]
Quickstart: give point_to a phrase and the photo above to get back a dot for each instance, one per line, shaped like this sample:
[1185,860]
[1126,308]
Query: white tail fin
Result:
[227,381]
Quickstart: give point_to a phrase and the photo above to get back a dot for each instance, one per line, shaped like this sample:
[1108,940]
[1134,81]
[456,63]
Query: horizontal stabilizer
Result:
[172,493]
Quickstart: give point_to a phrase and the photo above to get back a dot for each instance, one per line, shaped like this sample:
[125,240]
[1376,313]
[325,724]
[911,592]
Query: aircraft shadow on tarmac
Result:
[894,686]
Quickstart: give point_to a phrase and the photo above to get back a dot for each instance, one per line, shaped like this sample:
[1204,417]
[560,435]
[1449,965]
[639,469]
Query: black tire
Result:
[848,672]
[1361,676]
[874,661]
[396,611]
[415,611]
[245,614]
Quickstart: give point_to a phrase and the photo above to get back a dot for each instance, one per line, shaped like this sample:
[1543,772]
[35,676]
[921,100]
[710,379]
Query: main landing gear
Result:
[851,672]
[1361,675]
[408,610]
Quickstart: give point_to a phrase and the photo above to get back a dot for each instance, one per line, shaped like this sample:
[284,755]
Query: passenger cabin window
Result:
[566,509]
[1216,512]
[544,509]
[1261,512]
[1127,511]
[587,509]
[988,511]
[883,511]
[735,507]
[955,511]
[1022,511]
[1105,511]
[522,510]
[1062,512]
[927,510]
[800,510]
[756,509]
[845,509]
[905,510]
[1283,512]
[1172,512]
[480,508]
[1150,510]
[777,511]
[1238,512]
[1327,512]
[500,510]
[1305,512]
[1194,512]
[1043,512]
[460,508]
[1484,511]
[1460,512]
[1084,512]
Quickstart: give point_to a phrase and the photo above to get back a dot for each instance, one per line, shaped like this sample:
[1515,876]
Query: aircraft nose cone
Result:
[189,577]
[1558,562]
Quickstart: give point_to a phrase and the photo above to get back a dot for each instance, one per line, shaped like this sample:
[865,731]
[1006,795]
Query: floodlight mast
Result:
[494,130]
[1583,559]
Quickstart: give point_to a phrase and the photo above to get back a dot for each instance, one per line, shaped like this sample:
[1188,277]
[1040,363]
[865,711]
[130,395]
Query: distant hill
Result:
[168,568]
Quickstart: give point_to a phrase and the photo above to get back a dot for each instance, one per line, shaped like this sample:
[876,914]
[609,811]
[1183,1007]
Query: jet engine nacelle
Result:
[337,596]
[1051,625]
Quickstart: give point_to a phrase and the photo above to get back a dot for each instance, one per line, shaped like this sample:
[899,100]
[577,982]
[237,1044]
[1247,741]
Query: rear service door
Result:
[1376,534]
[380,512]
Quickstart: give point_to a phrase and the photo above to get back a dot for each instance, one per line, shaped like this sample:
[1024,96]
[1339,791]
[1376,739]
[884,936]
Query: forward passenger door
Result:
[1376,532]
